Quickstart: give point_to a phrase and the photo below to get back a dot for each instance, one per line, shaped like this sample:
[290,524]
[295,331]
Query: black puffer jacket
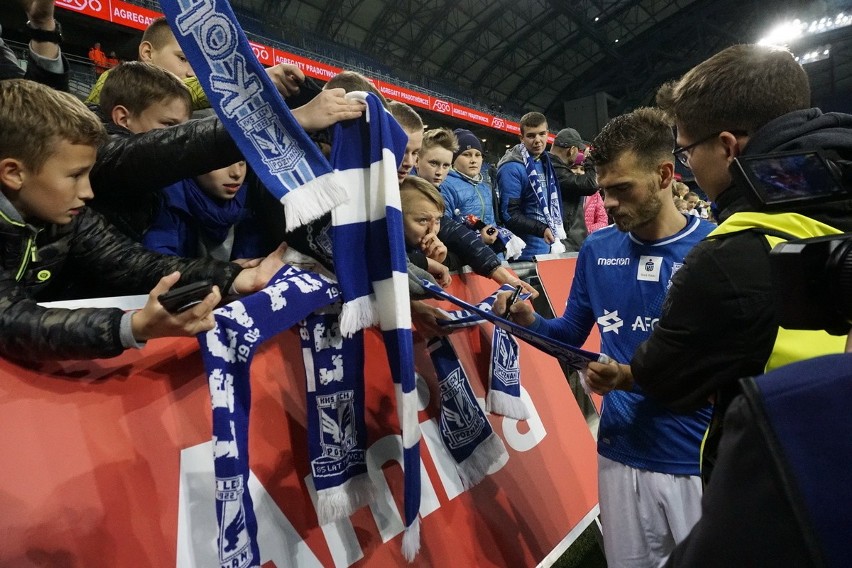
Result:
[131,169]
[35,260]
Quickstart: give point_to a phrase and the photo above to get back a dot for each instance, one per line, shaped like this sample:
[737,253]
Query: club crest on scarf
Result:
[337,401]
[234,542]
[462,425]
[505,360]
[250,107]
[459,414]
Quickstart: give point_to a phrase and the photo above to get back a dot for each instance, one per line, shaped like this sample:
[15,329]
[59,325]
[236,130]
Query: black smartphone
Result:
[512,299]
[182,298]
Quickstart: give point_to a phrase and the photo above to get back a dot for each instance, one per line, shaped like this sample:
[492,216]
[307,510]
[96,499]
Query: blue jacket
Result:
[468,196]
[519,205]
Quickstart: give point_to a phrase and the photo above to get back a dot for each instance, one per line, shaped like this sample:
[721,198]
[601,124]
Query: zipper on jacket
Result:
[30,255]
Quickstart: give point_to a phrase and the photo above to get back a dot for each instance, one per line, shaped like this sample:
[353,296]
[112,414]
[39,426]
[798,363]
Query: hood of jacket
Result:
[804,130]
[513,154]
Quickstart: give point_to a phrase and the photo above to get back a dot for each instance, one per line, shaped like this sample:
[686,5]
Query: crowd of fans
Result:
[144,188]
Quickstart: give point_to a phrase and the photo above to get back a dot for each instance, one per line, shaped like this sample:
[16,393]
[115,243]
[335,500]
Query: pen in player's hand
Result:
[512,299]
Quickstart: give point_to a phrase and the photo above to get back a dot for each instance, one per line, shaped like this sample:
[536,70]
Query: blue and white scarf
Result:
[368,246]
[549,200]
[513,244]
[337,434]
[241,327]
[278,149]
[504,371]
[462,424]
[367,238]
[575,358]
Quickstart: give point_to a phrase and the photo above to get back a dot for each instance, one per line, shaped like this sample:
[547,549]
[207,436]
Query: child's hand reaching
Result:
[440,272]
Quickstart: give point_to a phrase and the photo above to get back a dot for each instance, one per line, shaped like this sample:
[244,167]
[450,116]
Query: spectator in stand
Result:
[422,209]
[694,205]
[679,189]
[45,62]
[436,155]
[681,205]
[47,150]
[529,190]
[98,59]
[411,122]
[112,60]
[452,234]
[595,213]
[160,47]
[567,151]
[198,216]
[466,192]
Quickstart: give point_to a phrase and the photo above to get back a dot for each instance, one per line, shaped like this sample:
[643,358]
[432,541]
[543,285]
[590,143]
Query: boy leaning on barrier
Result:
[48,147]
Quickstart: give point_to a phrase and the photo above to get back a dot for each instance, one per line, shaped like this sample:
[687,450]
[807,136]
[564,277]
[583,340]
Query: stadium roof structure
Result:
[535,54]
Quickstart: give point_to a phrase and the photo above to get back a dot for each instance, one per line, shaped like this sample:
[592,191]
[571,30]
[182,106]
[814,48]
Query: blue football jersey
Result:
[619,285]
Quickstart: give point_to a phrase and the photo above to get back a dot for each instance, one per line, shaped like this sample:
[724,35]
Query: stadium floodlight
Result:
[788,32]
[816,54]
[783,34]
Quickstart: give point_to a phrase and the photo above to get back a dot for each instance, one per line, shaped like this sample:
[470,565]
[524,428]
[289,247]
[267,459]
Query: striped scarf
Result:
[549,199]
[368,247]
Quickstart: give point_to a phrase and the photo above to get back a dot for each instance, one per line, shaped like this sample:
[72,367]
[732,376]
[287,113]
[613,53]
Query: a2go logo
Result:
[261,52]
[441,106]
[82,5]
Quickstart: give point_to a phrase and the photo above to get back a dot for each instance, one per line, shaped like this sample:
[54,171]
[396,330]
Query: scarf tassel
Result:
[411,540]
[357,314]
[507,405]
[490,453]
[340,502]
[514,247]
[312,200]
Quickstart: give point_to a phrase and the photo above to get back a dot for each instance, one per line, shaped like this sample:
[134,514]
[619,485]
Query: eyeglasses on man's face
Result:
[682,152]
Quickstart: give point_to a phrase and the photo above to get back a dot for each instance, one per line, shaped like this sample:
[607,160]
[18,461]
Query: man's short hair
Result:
[34,118]
[742,87]
[136,85]
[439,138]
[645,131]
[413,185]
[353,81]
[531,120]
[405,116]
[158,33]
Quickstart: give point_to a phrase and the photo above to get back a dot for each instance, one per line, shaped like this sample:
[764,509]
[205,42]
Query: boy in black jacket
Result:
[46,153]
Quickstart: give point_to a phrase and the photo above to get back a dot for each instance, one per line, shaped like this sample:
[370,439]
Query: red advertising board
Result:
[109,463]
[556,276]
[130,15]
[95,8]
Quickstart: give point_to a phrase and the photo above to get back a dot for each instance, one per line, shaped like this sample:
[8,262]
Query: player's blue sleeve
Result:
[576,322]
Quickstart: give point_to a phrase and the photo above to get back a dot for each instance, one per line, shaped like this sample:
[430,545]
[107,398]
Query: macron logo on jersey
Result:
[610,321]
[613,262]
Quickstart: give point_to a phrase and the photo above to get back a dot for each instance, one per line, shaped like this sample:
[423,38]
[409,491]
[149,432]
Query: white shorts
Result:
[644,514]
